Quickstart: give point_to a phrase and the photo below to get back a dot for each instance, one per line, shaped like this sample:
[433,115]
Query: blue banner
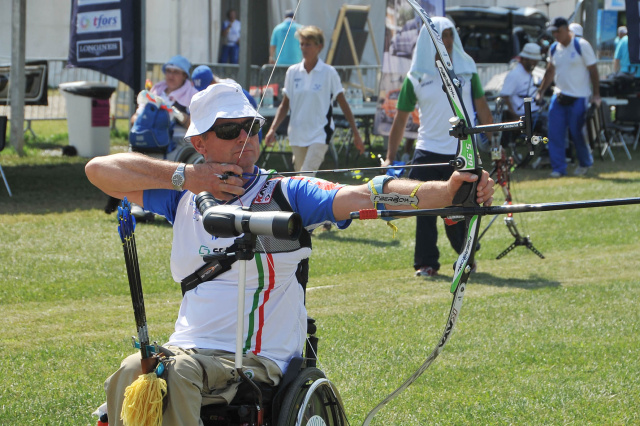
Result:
[606,33]
[633,28]
[102,38]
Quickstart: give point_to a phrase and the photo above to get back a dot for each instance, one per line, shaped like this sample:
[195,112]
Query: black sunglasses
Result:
[228,131]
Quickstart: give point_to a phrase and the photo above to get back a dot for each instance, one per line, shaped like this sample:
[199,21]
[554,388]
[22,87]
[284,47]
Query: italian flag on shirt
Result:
[266,282]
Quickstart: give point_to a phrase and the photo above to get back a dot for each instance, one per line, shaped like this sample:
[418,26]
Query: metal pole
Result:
[16,76]
[244,62]
[140,63]
[591,22]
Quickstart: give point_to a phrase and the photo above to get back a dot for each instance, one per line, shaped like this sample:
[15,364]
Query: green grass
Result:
[551,341]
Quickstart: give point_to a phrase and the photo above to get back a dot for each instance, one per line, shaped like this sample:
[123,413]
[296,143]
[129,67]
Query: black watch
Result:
[177,180]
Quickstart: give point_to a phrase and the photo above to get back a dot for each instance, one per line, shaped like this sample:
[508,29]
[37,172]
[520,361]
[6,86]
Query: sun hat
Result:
[178,62]
[576,29]
[557,23]
[222,100]
[202,77]
[531,51]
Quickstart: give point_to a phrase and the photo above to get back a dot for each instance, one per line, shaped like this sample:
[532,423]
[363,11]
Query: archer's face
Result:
[233,151]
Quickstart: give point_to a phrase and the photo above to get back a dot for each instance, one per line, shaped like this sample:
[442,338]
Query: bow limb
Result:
[467,160]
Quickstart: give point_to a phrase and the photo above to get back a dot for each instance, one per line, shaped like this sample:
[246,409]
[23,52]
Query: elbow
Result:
[94,169]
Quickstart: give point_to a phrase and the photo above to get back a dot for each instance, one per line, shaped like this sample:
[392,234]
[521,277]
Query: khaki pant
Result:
[195,377]
[308,157]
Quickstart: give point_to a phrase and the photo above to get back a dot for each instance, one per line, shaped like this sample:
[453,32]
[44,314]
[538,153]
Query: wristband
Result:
[376,186]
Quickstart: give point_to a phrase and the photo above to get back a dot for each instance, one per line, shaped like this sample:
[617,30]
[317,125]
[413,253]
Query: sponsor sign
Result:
[98,50]
[98,22]
[102,38]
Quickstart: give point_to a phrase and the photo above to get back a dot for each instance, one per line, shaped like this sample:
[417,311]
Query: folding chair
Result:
[612,132]
[629,115]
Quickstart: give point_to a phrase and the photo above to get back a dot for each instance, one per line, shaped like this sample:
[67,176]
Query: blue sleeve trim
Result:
[313,199]
[162,201]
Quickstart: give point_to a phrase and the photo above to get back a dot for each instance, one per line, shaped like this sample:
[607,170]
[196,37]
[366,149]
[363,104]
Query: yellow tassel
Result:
[143,401]
[394,228]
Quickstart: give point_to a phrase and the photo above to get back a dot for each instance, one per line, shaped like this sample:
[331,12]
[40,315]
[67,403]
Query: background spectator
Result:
[572,65]
[310,87]
[622,31]
[230,39]
[284,46]
[621,61]
[434,145]
[177,90]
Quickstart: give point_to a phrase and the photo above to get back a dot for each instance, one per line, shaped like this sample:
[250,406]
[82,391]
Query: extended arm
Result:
[432,194]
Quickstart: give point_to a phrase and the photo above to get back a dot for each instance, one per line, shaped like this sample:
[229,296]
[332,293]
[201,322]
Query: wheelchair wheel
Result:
[312,400]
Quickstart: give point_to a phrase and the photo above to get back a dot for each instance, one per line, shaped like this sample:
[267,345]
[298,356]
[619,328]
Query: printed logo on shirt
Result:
[317,87]
[265,194]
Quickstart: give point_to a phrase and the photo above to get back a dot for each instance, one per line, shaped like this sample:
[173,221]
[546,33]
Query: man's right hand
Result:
[224,181]
[270,137]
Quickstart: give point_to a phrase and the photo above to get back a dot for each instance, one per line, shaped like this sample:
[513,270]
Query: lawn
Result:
[551,341]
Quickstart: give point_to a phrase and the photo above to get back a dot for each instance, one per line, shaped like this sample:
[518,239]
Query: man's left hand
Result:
[484,194]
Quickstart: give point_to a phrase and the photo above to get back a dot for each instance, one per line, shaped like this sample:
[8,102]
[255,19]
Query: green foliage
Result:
[549,341]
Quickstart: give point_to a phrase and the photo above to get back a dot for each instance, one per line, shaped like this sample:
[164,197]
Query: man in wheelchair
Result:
[224,128]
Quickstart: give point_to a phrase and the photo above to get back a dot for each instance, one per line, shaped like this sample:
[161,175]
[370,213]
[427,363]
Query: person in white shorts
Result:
[310,87]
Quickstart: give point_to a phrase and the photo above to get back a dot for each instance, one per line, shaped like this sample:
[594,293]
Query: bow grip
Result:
[466,195]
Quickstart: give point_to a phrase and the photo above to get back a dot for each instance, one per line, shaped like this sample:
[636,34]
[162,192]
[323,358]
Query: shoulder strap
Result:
[576,44]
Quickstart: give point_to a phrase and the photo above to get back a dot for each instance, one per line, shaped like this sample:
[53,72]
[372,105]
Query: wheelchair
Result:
[304,397]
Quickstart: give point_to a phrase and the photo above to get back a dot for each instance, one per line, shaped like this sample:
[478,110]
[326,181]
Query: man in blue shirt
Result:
[284,42]
[621,61]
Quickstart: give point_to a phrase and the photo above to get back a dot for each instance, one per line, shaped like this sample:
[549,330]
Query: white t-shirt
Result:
[519,84]
[435,112]
[275,319]
[310,98]
[572,76]
[234,32]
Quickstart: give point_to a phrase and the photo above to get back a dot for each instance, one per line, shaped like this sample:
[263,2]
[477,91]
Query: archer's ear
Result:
[198,144]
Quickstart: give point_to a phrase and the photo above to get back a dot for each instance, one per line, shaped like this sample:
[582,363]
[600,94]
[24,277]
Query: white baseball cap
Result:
[576,29]
[531,51]
[221,100]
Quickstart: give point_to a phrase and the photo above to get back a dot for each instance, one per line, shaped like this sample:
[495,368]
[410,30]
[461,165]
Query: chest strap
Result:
[216,265]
